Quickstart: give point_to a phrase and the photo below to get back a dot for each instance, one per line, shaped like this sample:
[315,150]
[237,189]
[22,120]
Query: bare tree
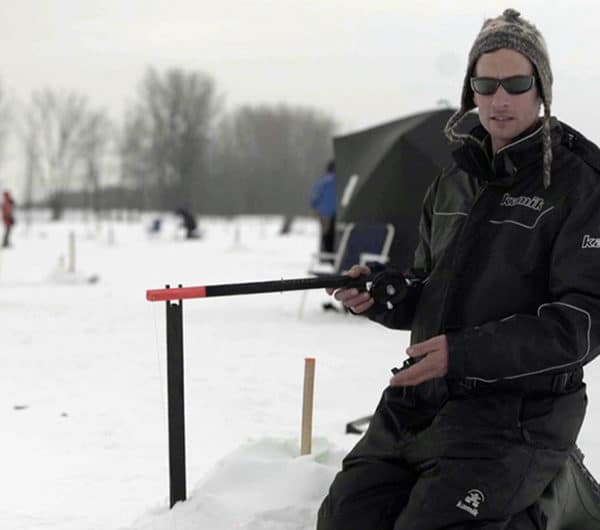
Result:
[53,134]
[267,157]
[5,121]
[31,170]
[95,136]
[137,171]
[166,135]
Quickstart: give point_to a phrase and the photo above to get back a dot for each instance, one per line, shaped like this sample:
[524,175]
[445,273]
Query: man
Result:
[323,202]
[504,308]
[8,217]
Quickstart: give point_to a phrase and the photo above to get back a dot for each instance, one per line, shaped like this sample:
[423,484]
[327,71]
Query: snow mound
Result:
[62,277]
[263,485]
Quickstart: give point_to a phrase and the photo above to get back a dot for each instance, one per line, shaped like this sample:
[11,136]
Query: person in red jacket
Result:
[8,217]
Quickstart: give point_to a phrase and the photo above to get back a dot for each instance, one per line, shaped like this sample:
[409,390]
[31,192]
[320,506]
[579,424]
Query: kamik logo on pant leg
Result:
[470,504]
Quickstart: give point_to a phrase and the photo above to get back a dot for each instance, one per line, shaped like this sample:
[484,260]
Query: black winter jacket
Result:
[509,270]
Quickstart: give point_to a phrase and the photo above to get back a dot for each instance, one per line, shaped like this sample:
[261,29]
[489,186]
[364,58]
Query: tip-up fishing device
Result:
[387,287]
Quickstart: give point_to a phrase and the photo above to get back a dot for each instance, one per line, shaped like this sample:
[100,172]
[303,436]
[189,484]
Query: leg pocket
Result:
[468,492]
[365,494]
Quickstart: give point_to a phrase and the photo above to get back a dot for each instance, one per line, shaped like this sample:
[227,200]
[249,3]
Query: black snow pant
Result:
[482,463]
[327,234]
[6,238]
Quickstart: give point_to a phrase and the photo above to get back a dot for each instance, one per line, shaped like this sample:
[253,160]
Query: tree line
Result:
[175,147]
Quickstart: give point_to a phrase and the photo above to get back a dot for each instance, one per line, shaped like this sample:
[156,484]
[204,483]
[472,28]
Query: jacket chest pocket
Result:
[446,223]
[521,235]
[519,242]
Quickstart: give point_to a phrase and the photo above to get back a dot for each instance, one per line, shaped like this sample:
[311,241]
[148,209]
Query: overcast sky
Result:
[364,61]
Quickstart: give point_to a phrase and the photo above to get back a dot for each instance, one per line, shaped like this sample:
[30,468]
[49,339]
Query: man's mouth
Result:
[501,118]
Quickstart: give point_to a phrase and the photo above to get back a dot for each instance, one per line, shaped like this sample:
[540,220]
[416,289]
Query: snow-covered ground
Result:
[83,379]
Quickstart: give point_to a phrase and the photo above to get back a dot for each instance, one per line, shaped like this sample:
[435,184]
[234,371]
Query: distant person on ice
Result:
[188,221]
[504,309]
[323,202]
[8,217]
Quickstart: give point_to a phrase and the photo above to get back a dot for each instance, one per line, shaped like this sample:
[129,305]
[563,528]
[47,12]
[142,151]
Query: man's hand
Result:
[435,363]
[357,301]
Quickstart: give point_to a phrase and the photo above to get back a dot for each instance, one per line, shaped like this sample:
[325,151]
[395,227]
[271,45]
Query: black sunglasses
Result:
[517,84]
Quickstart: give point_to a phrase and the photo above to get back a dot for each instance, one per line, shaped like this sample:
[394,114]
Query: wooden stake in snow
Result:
[111,236]
[307,406]
[71,252]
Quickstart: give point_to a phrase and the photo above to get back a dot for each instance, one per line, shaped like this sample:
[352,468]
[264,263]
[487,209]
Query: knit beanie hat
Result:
[510,30]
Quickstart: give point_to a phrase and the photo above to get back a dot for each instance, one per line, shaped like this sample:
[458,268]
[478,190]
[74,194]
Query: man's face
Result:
[503,115]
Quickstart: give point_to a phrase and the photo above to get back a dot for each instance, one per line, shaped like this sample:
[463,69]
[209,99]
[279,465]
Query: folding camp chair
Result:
[359,243]
[572,500]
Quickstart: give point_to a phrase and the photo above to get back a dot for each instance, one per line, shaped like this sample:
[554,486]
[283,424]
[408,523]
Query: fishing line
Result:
[172,522]
[158,362]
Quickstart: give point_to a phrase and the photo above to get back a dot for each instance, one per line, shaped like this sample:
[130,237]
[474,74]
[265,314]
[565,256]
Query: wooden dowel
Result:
[71,252]
[307,406]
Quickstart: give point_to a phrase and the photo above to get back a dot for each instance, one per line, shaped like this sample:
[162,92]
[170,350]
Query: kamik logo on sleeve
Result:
[590,242]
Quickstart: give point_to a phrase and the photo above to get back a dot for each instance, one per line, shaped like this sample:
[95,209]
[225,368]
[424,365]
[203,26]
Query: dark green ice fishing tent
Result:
[384,171]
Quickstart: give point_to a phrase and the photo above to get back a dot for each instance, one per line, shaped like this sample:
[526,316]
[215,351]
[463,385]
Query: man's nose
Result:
[501,98]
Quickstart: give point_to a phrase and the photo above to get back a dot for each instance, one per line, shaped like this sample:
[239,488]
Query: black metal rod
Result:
[176,403]
[298,284]
[274,286]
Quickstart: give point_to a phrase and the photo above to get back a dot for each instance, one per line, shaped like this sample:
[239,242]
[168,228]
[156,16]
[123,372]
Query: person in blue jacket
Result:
[323,201]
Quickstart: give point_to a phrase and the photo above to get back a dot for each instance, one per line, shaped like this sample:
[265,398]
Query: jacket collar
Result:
[475,155]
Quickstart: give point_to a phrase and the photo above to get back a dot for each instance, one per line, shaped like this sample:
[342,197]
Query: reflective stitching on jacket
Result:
[529,227]
[519,141]
[537,372]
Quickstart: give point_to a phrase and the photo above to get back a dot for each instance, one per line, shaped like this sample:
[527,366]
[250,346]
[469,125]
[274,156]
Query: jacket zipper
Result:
[445,308]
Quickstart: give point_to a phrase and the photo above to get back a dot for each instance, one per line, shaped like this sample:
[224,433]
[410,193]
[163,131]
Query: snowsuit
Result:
[510,271]
[8,218]
[188,222]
